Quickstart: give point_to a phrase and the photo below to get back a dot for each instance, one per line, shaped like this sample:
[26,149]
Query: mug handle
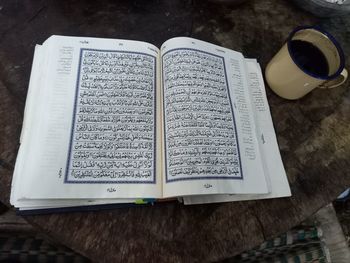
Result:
[336,82]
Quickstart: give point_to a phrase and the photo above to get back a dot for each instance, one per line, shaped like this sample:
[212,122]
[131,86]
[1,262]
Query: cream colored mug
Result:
[311,58]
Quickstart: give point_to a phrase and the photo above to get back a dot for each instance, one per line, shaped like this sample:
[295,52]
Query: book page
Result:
[276,174]
[52,203]
[210,143]
[96,135]
[30,120]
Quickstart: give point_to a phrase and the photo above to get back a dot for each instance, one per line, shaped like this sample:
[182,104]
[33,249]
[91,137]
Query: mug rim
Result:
[331,38]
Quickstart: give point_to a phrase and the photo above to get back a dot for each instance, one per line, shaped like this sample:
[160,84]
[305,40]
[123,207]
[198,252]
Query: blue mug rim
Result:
[333,40]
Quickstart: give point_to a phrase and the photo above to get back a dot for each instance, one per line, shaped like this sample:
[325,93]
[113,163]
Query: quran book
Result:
[111,121]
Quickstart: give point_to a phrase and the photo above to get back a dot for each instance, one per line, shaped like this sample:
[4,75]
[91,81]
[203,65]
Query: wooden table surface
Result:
[313,132]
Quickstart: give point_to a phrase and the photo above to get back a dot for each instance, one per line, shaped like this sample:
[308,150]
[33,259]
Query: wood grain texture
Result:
[313,132]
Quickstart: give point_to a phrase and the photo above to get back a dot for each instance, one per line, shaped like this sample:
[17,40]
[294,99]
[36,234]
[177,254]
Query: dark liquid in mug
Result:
[309,57]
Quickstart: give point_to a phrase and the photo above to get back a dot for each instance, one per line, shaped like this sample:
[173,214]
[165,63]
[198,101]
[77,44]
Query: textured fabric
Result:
[25,248]
[297,245]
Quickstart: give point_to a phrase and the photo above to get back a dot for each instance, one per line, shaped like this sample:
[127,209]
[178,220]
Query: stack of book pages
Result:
[111,121]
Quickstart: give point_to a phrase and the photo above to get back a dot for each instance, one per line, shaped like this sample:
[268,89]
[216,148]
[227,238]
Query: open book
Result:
[115,121]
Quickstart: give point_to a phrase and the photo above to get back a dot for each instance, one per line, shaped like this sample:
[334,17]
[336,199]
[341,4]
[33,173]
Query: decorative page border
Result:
[233,118]
[66,180]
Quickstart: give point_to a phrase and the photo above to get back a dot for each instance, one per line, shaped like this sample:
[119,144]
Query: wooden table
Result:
[313,133]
